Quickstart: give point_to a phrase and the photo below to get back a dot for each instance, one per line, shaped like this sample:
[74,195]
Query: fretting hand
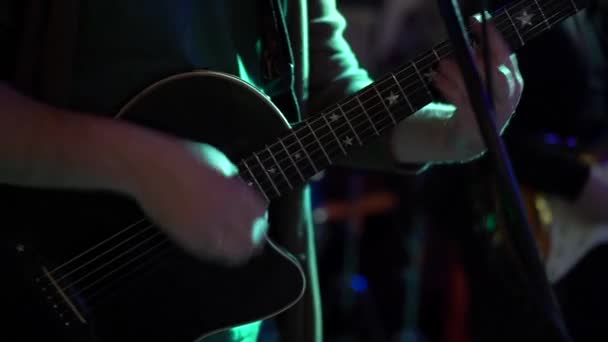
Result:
[507,85]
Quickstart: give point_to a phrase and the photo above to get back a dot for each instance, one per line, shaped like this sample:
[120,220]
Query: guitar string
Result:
[63,276]
[78,256]
[396,86]
[122,266]
[117,257]
[97,292]
[148,227]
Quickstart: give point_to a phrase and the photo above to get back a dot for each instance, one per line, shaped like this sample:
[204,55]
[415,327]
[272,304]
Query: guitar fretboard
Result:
[317,142]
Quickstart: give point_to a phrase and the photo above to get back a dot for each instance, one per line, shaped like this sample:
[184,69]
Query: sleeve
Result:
[334,74]
[334,69]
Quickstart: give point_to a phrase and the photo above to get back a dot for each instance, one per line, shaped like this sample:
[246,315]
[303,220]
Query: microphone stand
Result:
[520,233]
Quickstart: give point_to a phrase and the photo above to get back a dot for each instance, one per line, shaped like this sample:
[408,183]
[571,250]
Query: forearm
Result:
[43,146]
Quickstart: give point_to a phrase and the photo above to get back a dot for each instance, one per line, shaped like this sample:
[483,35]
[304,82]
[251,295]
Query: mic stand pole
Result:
[520,232]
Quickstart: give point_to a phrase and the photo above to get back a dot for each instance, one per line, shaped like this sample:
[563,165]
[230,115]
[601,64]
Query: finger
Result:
[215,158]
[450,90]
[259,231]
[500,51]
[506,85]
[450,71]
[514,67]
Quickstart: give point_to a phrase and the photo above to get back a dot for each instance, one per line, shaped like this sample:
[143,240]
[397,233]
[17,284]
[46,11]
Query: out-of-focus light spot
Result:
[551,139]
[490,223]
[571,142]
[320,215]
[544,210]
[358,283]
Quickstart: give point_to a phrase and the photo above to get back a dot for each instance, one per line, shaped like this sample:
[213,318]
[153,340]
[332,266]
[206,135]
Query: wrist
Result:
[428,136]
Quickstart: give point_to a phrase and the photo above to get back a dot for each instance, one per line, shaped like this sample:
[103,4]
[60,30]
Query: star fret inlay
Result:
[525,19]
[392,99]
[348,141]
[334,117]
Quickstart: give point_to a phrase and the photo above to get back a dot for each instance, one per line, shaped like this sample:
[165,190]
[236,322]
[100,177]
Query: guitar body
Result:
[85,266]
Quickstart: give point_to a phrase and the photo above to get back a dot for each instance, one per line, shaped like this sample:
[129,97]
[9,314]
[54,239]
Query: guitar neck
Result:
[314,145]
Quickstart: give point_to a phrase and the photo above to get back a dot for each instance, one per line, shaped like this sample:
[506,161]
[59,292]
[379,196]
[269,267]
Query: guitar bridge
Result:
[60,303]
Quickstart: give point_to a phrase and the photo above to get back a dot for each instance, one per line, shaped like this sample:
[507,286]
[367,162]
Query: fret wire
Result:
[276,162]
[533,32]
[312,163]
[402,92]
[422,59]
[300,153]
[392,90]
[364,119]
[417,76]
[521,39]
[292,160]
[568,8]
[410,86]
[379,111]
[381,100]
[436,55]
[520,7]
[544,25]
[418,98]
[573,8]
[367,115]
[349,124]
[334,133]
[254,178]
[267,174]
[422,79]
[318,141]
[543,14]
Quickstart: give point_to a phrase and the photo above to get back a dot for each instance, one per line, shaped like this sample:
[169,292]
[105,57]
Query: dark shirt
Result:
[124,46]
